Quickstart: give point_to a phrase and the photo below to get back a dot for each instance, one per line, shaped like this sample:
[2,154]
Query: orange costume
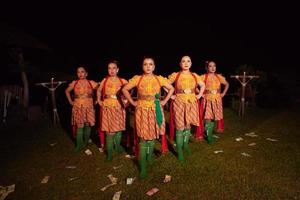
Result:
[113,112]
[185,109]
[149,116]
[83,113]
[147,127]
[213,107]
[83,109]
[212,104]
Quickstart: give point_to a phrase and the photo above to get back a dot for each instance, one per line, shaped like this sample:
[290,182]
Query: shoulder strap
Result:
[75,83]
[90,84]
[138,85]
[103,87]
[176,80]
[194,76]
[206,75]
[205,79]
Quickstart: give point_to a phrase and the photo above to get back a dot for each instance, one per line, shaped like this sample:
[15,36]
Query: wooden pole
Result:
[244,80]
[52,86]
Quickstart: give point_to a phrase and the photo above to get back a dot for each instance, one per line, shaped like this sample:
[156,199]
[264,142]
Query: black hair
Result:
[114,62]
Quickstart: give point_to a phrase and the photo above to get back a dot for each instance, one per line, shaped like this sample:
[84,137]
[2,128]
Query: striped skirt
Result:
[113,119]
[146,125]
[83,116]
[185,114]
[213,109]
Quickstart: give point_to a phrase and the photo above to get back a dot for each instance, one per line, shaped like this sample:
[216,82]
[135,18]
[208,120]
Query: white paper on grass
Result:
[272,140]
[246,154]
[88,152]
[167,178]
[218,151]
[152,191]
[117,195]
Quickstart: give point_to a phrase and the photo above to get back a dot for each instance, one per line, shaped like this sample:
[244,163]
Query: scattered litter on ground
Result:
[88,152]
[218,151]
[252,144]
[73,179]
[112,178]
[107,186]
[71,167]
[129,156]
[129,181]
[113,181]
[239,139]
[245,154]
[167,178]
[117,195]
[215,136]
[252,134]
[117,167]
[53,144]
[101,150]
[45,179]
[272,140]
[152,191]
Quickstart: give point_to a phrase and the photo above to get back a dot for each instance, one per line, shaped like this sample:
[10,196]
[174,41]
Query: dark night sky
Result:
[263,34]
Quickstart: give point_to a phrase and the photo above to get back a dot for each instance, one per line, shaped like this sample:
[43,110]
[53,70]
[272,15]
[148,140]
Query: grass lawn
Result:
[272,171]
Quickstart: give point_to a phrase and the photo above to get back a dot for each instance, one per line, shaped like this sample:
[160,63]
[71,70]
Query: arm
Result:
[202,88]
[68,91]
[170,89]
[225,89]
[127,95]
[99,90]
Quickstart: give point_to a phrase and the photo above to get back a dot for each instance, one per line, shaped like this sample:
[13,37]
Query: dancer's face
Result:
[112,69]
[211,67]
[185,63]
[148,66]
[81,73]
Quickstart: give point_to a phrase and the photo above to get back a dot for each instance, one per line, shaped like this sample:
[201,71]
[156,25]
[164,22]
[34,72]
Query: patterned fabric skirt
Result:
[213,109]
[113,119]
[185,114]
[82,116]
[146,125]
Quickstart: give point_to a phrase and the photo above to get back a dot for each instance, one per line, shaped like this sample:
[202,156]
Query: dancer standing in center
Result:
[149,115]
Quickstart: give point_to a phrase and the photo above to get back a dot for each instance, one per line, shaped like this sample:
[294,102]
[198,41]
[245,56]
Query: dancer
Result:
[213,107]
[83,113]
[112,109]
[149,115]
[185,106]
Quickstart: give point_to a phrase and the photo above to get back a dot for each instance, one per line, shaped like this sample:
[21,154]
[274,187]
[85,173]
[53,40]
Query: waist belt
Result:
[110,96]
[218,91]
[83,96]
[185,91]
[146,97]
